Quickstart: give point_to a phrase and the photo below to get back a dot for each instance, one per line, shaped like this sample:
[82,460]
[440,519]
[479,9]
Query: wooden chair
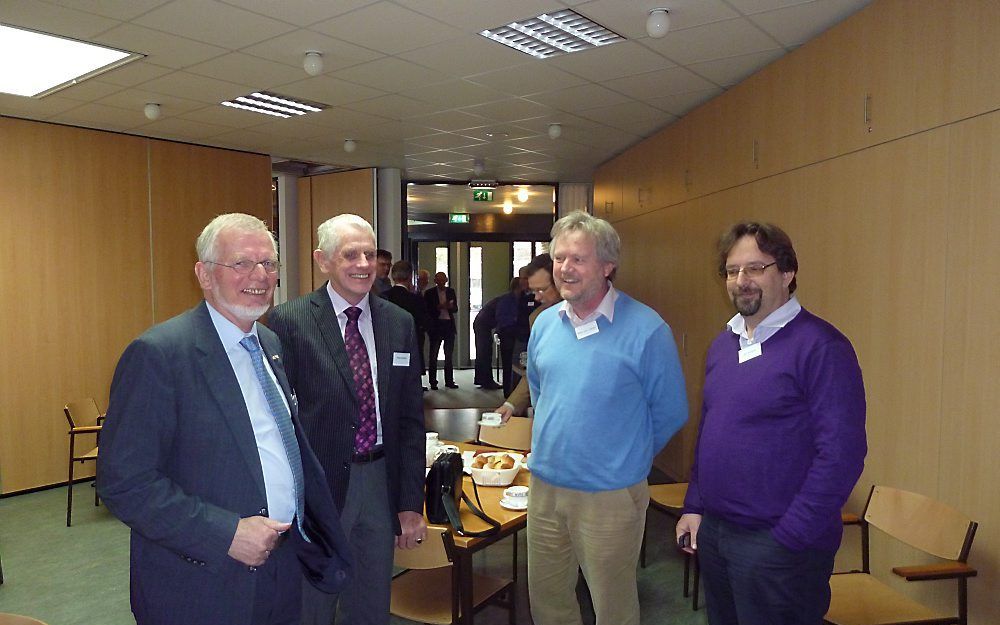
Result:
[427,592]
[515,434]
[84,419]
[858,598]
[14,619]
[669,498]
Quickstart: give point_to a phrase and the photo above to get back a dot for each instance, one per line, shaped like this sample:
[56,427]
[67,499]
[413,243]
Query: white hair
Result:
[239,222]
[331,231]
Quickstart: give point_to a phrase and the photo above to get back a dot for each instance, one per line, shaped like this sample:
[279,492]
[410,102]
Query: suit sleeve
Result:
[136,446]
[411,431]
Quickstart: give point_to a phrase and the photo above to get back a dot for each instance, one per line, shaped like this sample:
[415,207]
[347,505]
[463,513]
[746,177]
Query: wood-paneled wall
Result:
[325,196]
[894,217]
[85,217]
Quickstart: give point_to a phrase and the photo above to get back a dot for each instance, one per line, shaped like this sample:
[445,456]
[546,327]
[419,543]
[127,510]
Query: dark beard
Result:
[747,308]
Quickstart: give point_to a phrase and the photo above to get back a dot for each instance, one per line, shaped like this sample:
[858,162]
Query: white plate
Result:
[506,503]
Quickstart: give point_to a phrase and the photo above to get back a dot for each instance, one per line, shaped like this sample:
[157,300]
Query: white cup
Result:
[491,418]
[516,494]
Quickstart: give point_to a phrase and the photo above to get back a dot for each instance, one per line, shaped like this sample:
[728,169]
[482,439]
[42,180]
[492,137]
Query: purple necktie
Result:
[364,388]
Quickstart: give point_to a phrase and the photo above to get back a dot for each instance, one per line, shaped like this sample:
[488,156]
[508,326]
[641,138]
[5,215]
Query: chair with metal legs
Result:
[84,419]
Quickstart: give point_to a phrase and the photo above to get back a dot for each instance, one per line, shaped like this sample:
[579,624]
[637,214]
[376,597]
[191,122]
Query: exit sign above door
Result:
[482,195]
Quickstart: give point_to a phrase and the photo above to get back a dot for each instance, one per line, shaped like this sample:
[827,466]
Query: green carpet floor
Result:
[77,575]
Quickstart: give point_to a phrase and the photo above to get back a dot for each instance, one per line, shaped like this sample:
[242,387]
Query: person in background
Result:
[383,264]
[508,311]
[442,306]
[539,274]
[608,392]
[482,329]
[517,335]
[783,418]
[203,457]
[401,295]
[352,358]
[423,280]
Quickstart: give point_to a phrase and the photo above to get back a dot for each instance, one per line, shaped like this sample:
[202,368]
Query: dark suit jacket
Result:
[431,300]
[411,303]
[320,372]
[179,465]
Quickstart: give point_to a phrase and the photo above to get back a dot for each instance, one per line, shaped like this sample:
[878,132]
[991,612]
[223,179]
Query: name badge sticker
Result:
[586,330]
[400,359]
[749,352]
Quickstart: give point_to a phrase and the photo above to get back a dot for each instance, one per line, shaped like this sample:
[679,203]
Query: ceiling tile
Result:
[226,116]
[466,56]
[511,110]
[680,103]
[195,87]
[448,120]
[533,77]
[291,48]
[713,41]
[345,119]
[749,7]
[445,141]
[118,9]
[89,90]
[177,127]
[300,12]
[614,61]
[100,116]
[631,24]
[35,108]
[160,48]
[455,93]
[54,20]
[136,98]
[134,73]
[213,22]
[387,28]
[627,114]
[480,15]
[247,70]
[579,98]
[797,24]
[392,106]
[659,84]
[390,74]
[328,90]
[728,72]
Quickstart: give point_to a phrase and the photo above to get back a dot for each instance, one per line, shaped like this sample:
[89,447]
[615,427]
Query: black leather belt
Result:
[376,454]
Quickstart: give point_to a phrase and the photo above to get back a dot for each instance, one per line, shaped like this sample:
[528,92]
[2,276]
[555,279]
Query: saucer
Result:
[506,503]
[488,424]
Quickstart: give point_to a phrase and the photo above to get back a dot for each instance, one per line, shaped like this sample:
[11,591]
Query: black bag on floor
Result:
[444,496]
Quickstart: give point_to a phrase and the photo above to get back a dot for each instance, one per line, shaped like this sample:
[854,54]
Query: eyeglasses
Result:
[542,290]
[246,267]
[753,270]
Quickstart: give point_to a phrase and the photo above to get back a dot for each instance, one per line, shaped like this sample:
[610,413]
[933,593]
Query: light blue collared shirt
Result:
[606,308]
[367,334]
[278,483]
[766,328]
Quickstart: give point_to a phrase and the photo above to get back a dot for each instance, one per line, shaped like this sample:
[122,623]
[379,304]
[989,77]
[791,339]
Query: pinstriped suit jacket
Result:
[319,370]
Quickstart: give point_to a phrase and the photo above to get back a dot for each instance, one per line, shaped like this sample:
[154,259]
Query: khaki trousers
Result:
[598,532]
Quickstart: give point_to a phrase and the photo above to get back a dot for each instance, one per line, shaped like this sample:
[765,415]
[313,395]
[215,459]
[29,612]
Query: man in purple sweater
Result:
[781,445]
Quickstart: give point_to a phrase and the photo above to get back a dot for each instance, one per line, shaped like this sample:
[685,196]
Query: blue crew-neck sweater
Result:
[604,404]
[782,440]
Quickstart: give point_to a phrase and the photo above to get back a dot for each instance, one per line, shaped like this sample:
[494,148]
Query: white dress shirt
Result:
[278,483]
[606,308]
[768,327]
[368,335]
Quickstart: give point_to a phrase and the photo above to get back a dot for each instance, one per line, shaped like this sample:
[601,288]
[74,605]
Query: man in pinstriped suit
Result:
[378,491]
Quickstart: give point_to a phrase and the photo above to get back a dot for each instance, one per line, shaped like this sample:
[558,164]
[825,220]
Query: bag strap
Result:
[456,521]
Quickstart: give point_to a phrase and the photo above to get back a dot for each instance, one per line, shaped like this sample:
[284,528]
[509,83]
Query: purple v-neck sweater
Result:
[782,440]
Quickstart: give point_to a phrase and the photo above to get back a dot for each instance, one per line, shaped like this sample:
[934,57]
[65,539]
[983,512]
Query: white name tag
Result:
[400,359]
[587,329]
[749,352]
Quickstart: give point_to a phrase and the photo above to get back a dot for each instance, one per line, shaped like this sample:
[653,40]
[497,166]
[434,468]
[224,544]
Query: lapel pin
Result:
[276,357]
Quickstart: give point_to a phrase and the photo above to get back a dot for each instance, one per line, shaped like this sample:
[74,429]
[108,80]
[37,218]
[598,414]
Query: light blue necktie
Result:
[284,422]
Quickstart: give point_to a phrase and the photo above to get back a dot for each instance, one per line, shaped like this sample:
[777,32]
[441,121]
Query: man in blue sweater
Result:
[782,444]
[608,393]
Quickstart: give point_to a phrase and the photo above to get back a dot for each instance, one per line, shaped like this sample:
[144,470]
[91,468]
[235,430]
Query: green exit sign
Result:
[482,195]
[459,218]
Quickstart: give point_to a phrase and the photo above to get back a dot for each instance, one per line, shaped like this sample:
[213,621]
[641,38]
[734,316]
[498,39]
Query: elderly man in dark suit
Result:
[203,457]
[352,358]
[442,306]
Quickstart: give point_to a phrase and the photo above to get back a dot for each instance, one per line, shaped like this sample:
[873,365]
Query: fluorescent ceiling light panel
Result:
[268,103]
[552,34]
[36,64]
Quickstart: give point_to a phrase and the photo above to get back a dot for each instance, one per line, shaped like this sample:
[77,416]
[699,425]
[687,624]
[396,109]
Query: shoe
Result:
[424,389]
[434,386]
[490,386]
[451,385]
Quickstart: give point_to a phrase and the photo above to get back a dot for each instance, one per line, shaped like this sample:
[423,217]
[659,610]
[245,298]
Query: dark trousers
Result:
[278,588]
[484,357]
[442,330]
[370,529]
[751,579]
[508,339]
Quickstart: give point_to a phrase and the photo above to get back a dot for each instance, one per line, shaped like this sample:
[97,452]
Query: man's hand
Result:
[255,538]
[689,524]
[414,530]
[506,411]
